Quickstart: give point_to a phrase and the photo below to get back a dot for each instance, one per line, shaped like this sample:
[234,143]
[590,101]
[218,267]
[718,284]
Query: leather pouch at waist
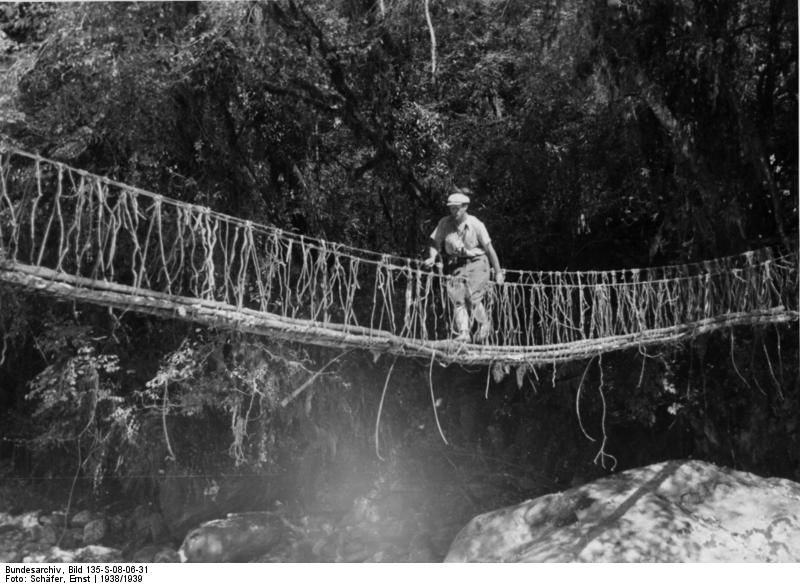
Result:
[454,262]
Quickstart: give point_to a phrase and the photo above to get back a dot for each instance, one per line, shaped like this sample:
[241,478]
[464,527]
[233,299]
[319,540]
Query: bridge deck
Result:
[222,315]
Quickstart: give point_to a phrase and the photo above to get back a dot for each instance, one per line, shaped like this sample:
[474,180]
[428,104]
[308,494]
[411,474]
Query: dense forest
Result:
[593,134]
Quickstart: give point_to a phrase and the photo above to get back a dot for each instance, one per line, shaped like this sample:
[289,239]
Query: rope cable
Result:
[380,411]
[433,403]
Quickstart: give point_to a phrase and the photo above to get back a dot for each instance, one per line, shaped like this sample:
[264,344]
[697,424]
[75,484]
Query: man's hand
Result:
[428,262]
[500,276]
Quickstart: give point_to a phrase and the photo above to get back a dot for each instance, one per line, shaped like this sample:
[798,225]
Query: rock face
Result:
[94,531]
[678,511]
[237,538]
[82,518]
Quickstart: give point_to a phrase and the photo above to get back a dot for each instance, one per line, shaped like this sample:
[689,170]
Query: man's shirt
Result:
[471,236]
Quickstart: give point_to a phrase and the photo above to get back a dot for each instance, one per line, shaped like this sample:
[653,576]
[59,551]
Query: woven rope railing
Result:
[82,236]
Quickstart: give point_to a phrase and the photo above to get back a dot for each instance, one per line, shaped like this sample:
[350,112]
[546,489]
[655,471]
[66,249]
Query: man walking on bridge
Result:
[464,243]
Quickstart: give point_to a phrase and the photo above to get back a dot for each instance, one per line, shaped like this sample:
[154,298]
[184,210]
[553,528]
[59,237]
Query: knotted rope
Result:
[83,236]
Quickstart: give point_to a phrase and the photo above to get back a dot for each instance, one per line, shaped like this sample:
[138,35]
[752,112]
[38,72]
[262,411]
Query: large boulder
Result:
[95,531]
[237,538]
[667,512]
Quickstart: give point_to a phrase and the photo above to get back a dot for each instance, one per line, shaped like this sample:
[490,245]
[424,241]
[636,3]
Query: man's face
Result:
[458,212]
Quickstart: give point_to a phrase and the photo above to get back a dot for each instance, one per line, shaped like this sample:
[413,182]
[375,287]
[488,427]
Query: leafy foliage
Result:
[77,397]
[244,382]
[595,135]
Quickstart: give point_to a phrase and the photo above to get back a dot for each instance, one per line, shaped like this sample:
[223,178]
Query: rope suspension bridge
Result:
[84,237]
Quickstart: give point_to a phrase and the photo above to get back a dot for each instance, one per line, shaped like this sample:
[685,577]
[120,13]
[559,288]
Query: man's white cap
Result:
[457,199]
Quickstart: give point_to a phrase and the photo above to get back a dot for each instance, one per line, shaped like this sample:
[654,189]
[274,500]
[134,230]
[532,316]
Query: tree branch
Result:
[311,379]
[304,97]
[432,33]
[300,26]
